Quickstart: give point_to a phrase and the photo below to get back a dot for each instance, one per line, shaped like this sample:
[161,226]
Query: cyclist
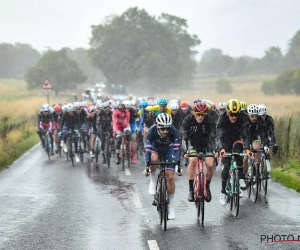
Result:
[147,119]
[257,132]
[229,136]
[91,127]
[262,109]
[104,118]
[222,107]
[121,124]
[132,122]
[185,108]
[79,109]
[162,140]
[199,128]
[56,125]
[70,121]
[45,122]
[161,107]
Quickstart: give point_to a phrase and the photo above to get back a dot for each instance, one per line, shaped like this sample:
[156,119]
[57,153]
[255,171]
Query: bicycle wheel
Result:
[59,147]
[264,175]
[128,154]
[47,141]
[70,152]
[249,181]
[255,186]
[123,156]
[236,193]
[202,198]
[164,205]
[197,194]
[107,151]
[229,194]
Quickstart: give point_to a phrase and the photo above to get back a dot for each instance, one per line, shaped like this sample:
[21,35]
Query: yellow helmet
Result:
[243,105]
[233,106]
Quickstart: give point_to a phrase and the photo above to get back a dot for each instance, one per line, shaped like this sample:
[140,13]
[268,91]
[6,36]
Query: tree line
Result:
[214,62]
[138,51]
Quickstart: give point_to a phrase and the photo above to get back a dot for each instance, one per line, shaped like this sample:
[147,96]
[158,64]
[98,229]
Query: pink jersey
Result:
[120,119]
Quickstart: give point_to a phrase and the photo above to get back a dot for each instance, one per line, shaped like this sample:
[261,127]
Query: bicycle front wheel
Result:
[256,182]
[264,175]
[123,157]
[164,205]
[202,198]
[236,193]
[197,194]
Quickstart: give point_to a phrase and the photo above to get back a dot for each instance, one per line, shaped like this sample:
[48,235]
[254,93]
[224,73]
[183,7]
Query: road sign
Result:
[46,84]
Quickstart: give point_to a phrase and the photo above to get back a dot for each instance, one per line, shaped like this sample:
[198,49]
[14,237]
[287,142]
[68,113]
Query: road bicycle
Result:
[97,147]
[253,179]
[161,198]
[47,142]
[70,145]
[200,184]
[264,173]
[125,152]
[107,148]
[233,184]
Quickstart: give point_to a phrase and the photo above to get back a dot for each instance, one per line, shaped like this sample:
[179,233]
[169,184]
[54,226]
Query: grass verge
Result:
[286,178]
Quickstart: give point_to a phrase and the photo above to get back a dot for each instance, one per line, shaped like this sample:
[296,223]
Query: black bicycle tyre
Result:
[202,198]
[236,193]
[249,182]
[264,175]
[128,154]
[164,204]
[229,194]
[123,156]
[197,194]
[47,146]
[107,152]
[255,190]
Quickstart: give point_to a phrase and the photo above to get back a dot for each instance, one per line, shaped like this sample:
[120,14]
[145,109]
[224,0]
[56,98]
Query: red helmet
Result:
[184,105]
[57,108]
[200,107]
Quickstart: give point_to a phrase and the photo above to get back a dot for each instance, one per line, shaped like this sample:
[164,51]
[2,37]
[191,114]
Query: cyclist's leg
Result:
[153,175]
[191,173]
[133,141]
[118,145]
[224,177]
[92,143]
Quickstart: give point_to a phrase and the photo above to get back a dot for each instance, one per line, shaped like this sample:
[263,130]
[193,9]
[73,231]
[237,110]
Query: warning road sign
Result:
[46,84]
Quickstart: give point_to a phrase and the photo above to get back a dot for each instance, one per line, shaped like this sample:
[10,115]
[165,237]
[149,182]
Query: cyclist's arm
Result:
[152,108]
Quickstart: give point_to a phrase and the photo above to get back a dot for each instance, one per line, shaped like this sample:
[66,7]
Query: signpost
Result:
[47,88]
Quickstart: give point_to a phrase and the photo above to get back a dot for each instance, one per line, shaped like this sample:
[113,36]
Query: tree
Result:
[223,86]
[135,48]
[63,72]
[267,87]
[16,59]
[272,61]
[293,55]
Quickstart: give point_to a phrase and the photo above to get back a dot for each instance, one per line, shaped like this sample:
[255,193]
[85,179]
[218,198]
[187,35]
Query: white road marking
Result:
[153,245]
[127,171]
[136,200]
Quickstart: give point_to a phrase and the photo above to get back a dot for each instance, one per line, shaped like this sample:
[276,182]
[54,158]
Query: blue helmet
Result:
[162,101]
[143,104]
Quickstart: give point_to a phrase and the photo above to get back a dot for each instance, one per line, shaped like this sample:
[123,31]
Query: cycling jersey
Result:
[157,111]
[168,146]
[201,135]
[257,131]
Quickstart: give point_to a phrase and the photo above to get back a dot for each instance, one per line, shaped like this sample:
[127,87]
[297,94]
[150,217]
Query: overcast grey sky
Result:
[238,27]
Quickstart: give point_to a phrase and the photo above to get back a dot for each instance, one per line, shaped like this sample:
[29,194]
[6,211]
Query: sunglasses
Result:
[200,114]
[164,129]
[162,106]
[233,115]
[254,116]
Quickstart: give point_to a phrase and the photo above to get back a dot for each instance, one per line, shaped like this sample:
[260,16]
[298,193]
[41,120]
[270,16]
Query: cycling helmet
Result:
[184,105]
[150,102]
[127,104]
[57,108]
[92,109]
[222,105]
[116,104]
[200,107]
[45,108]
[174,105]
[252,109]
[162,101]
[233,106]
[70,107]
[197,100]
[133,103]
[262,109]
[173,101]
[77,105]
[64,107]
[164,120]
[83,104]
[243,105]
[143,104]
[105,105]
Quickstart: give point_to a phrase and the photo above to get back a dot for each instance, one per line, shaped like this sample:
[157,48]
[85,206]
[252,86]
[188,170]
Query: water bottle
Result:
[268,165]
[249,170]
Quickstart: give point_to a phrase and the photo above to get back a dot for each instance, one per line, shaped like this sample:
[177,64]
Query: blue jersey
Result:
[162,145]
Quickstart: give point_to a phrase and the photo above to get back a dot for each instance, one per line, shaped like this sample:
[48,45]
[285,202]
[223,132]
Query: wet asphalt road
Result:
[52,205]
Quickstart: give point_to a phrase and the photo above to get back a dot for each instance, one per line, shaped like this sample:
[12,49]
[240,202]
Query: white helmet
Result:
[222,105]
[173,101]
[262,109]
[252,109]
[127,104]
[174,105]
[164,120]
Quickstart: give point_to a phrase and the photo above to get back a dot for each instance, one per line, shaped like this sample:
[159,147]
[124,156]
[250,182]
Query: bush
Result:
[223,86]
[267,87]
